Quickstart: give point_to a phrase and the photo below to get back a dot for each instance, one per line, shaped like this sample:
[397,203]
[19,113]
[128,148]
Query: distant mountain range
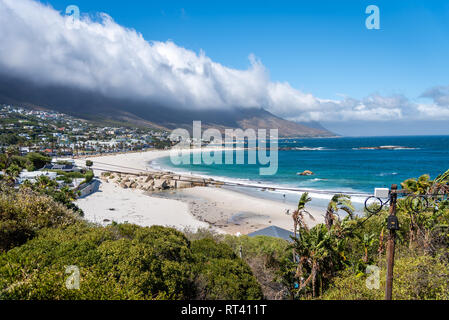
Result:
[91,105]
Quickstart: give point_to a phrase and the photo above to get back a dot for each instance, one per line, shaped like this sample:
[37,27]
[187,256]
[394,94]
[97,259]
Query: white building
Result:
[33,175]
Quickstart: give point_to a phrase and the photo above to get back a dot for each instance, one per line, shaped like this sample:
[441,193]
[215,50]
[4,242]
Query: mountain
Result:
[94,106]
[313,124]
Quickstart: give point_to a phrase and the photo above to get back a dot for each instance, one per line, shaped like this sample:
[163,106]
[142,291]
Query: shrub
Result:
[124,262]
[38,160]
[24,212]
[40,237]
[220,274]
[415,277]
[89,176]
[111,266]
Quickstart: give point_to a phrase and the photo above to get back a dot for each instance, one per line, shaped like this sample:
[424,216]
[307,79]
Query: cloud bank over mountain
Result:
[41,44]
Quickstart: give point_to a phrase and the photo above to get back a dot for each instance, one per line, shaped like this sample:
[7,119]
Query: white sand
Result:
[236,212]
[129,205]
[215,206]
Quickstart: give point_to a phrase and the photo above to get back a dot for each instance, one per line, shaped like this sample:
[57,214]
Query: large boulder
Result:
[147,186]
[124,185]
[172,184]
[160,184]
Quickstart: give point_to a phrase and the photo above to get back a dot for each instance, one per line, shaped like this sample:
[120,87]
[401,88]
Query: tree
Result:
[441,183]
[425,225]
[38,160]
[319,253]
[89,163]
[13,171]
[6,158]
[338,202]
[298,214]
[419,186]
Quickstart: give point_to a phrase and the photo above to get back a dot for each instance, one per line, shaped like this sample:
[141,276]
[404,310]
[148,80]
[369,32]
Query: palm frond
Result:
[303,200]
[444,177]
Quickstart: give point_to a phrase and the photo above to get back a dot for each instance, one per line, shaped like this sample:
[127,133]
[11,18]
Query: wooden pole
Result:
[391,245]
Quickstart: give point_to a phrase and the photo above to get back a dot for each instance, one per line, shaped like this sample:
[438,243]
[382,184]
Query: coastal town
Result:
[33,142]
[57,134]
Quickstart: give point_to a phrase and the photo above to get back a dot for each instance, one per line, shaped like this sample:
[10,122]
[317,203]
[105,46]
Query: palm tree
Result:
[43,182]
[298,214]
[419,186]
[12,173]
[6,159]
[422,225]
[338,202]
[440,186]
[319,256]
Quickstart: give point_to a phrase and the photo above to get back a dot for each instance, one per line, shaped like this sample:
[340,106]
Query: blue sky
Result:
[321,47]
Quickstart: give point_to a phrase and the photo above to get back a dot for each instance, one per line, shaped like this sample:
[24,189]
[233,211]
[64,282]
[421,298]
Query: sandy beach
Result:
[219,208]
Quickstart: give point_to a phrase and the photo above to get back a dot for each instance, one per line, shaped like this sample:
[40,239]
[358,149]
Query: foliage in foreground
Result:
[23,213]
[417,277]
[331,259]
[125,261]
[116,262]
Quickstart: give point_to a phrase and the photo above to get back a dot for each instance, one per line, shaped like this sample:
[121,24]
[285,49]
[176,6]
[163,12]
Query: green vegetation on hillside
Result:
[121,261]
[40,237]
[332,258]
[32,161]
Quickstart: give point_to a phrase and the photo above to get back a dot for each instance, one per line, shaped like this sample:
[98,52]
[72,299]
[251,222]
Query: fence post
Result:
[391,244]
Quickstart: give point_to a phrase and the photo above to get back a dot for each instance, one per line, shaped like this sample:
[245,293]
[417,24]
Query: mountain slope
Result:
[94,106]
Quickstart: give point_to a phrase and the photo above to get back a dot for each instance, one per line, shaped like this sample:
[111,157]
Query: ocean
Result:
[338,164]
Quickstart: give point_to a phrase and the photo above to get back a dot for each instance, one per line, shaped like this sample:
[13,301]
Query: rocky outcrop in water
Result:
[305,173]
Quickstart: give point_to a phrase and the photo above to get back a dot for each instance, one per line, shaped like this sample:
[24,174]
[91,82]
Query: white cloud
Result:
[433,111]
[37,43]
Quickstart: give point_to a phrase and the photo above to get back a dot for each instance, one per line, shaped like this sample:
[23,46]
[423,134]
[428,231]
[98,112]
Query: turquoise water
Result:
[338,164]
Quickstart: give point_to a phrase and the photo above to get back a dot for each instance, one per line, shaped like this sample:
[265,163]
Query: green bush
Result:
[415,278]
[23,213]
[32,161]
[38,160]
[89,176]
[220,274]
[257,246]
[264,255]
[121,261]
[154,264]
